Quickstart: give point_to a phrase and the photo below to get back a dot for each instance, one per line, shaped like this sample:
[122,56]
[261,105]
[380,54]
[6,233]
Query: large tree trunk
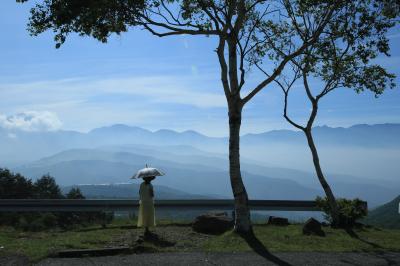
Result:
[328,192]
[242,212]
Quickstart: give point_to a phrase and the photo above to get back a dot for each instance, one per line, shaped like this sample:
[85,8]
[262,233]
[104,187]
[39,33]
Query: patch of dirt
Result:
[164,238]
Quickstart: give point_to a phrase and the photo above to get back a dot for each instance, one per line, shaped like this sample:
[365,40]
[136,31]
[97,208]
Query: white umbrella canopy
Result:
[147,172]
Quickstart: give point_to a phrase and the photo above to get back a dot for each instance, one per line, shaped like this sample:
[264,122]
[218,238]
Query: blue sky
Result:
[142,80]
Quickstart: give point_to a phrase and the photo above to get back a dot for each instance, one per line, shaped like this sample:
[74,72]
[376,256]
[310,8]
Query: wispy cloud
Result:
[157,101]
[149,89]
[31,121]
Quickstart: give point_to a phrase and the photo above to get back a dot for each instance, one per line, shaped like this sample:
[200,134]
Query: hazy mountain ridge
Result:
[386,215]
[93,166]
[198,164]
[363,135]
[20,146]
[192,179]
[130,191]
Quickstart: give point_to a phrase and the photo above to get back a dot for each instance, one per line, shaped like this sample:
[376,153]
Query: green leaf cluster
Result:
[16,186]
[350,211]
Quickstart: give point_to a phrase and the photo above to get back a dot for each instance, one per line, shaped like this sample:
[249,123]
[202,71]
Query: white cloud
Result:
[31,121]
[82,104]
[188,90]
[163,89]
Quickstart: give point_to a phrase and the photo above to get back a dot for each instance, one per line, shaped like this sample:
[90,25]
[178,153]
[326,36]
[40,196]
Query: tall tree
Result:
[15,186]
[341,58]
[47,188]
[245,32]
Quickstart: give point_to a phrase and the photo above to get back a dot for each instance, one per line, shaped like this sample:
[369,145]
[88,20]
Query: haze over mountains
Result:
[360,161]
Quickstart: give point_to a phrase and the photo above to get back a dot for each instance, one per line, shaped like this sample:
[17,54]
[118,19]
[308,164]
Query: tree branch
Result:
[289,57]
[173,30]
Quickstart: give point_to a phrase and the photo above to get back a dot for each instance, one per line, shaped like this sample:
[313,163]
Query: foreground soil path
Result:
[233,259]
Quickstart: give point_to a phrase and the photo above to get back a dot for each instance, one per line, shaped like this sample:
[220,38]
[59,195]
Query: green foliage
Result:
[343,54]
[262,27]
[96,18]
[75,193]
[349,210]
[15,186]
[68,220]
[49,220]
[47,188]
[31,221]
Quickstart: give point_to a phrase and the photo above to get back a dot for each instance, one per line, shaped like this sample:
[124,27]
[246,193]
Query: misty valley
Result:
[361,161]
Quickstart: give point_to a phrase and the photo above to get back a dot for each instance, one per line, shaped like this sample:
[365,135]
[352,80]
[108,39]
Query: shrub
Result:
[47,188]
[349,210]
[16,186]
[36,225]
[49,220]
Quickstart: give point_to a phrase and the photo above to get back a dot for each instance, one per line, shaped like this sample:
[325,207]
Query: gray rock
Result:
[272,220]
[313,227]
[212,224]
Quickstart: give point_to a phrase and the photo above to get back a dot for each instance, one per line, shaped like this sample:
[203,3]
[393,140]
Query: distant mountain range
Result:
[98,167]
[21,146]
[359,161]
[363,135]
[129,191]
[199,173]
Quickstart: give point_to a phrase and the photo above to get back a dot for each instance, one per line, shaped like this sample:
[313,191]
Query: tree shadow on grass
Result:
[377,253]
[261,250]
[106,228]
[128,227]
[157,240]
[354,235]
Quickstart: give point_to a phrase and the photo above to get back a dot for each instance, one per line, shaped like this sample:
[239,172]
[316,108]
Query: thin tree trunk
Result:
[328,192]
[242,212]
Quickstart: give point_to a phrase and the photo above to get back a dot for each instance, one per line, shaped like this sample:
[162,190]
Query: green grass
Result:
[290,238]
[38,245]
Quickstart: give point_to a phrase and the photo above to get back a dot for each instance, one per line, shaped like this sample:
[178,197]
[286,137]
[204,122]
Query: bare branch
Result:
[174,30]
[313,101]
[287,117]
[224,67]
[294,20]
[204,7]
[291,56]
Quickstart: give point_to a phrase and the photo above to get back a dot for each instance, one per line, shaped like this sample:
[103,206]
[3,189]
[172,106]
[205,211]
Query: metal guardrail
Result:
[80,205]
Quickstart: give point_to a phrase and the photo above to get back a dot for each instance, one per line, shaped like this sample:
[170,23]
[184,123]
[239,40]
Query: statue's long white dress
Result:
[146,209]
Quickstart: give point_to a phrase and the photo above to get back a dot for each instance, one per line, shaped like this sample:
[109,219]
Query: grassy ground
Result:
[180,237]
[290,238]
